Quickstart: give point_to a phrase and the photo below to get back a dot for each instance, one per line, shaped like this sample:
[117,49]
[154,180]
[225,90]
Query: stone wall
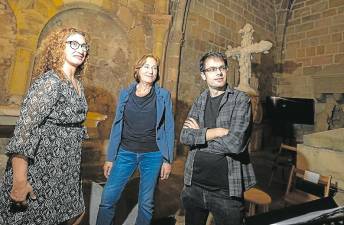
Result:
[323,153]
[3,157]
[7,46]
[213,25]
[314,45]
[108,69]
[312,56]
[120,33]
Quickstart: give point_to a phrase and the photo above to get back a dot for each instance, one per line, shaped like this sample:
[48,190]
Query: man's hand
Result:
[165,171]
[20,191]
[215,133]
[107,169]
[191,123]
[210,134]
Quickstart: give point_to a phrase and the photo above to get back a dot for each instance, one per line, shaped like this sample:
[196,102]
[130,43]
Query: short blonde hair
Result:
[141,62]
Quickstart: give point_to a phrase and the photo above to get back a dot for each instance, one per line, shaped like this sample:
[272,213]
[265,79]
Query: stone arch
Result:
[31,17]
[286,4]
[283,8]
[108,70]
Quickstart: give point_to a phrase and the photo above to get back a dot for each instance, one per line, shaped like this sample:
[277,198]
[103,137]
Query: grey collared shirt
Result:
[235,115]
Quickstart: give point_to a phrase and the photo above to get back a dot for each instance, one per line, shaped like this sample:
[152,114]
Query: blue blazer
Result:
[164,123]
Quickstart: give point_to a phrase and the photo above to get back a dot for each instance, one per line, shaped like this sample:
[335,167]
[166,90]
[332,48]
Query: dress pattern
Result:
[49,133]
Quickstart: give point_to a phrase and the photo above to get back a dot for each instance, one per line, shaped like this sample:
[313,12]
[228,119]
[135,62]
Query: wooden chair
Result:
[304,186]
[92,121]
[256,197]
[284,159]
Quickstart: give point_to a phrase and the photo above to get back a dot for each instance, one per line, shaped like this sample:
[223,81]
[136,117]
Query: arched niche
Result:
[31,17]
[108,70]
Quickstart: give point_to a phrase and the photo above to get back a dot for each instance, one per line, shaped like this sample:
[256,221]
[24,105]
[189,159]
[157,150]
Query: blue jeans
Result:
[149,165]
[198,202]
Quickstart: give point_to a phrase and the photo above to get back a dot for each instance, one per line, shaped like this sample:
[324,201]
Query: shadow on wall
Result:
[264,73]
[287,67]
[101,101]
[182,110]
[265,70]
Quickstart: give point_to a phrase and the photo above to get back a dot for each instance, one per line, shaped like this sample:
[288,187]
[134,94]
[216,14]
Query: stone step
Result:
[3,143]
[3,161]
[330,139]
[3,157]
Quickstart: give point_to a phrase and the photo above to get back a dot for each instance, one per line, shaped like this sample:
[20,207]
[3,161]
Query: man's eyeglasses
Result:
[214,69]
[75,45]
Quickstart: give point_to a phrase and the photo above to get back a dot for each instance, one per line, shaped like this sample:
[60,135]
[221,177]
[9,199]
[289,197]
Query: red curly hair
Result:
[50,54]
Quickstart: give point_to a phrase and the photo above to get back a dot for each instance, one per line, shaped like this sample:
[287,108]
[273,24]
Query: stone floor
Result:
[5,133]
[168,210]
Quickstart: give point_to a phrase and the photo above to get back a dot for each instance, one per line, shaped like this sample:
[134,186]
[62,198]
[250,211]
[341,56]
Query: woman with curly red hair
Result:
[42,183]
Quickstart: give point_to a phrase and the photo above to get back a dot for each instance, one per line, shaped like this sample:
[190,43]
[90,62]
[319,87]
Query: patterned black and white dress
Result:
[49,133]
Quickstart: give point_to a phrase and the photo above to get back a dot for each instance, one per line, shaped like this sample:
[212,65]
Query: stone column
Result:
[161,6]
[173,51]
[29,25]
[19,77]
[160,25]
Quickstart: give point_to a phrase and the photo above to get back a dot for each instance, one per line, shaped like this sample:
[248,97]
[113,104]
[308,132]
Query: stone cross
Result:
[243,55]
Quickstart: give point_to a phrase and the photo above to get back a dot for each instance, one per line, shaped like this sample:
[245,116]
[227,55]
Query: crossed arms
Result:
[210,134]
[232,139]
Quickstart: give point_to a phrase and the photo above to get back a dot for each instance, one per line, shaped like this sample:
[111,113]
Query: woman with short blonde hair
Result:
[142,137]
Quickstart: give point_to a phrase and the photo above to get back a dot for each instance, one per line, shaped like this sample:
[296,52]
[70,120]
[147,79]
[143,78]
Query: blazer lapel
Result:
[124,96]
[159,104]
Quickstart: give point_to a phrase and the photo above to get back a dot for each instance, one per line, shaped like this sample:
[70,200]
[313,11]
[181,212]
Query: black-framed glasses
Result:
[75,45]
[213,69]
